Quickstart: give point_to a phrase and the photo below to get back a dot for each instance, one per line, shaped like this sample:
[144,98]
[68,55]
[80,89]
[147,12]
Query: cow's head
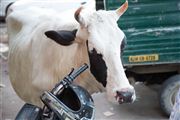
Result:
[104,40]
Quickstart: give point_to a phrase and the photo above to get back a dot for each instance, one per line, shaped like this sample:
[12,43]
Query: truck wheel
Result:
[168,93]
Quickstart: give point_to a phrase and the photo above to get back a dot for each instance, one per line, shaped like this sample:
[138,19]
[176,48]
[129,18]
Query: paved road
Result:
[145,108]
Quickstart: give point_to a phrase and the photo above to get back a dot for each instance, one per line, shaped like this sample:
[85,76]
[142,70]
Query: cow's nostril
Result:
[124,96]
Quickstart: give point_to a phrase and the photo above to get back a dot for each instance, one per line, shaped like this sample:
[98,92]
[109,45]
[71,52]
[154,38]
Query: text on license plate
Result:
[144,58]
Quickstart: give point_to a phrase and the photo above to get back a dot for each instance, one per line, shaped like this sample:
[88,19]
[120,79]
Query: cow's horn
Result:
[122,9]
[76,14]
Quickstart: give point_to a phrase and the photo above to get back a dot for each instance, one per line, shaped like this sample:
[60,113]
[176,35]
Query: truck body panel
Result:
[152,28]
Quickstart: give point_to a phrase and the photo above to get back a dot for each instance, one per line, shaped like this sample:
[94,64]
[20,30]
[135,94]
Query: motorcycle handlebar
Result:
[78,71]
[68,79]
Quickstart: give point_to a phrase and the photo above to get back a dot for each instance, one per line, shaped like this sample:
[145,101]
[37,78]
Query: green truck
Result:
[152,53]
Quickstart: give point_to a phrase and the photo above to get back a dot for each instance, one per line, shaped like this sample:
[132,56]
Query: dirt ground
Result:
[145,108]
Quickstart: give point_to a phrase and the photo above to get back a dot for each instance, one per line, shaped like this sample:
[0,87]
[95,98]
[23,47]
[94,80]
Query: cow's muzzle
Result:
[125,96]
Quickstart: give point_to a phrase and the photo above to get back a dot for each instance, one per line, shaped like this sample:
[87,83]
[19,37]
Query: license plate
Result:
[144,58]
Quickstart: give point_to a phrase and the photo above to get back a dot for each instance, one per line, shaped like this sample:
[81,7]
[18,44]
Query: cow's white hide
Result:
[36,63]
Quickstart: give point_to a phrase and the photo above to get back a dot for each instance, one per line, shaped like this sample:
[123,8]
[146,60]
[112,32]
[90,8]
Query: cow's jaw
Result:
[98,66]
[108,70]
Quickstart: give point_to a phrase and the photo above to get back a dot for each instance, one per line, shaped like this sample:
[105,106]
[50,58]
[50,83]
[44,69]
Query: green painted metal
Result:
[151,27]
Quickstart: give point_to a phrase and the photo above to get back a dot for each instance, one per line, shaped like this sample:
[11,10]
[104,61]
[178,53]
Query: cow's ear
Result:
[62,37]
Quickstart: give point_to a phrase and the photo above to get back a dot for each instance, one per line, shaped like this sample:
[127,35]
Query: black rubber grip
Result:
[78,71]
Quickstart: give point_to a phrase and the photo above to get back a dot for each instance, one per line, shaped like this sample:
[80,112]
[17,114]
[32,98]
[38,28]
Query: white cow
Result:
[46,44]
